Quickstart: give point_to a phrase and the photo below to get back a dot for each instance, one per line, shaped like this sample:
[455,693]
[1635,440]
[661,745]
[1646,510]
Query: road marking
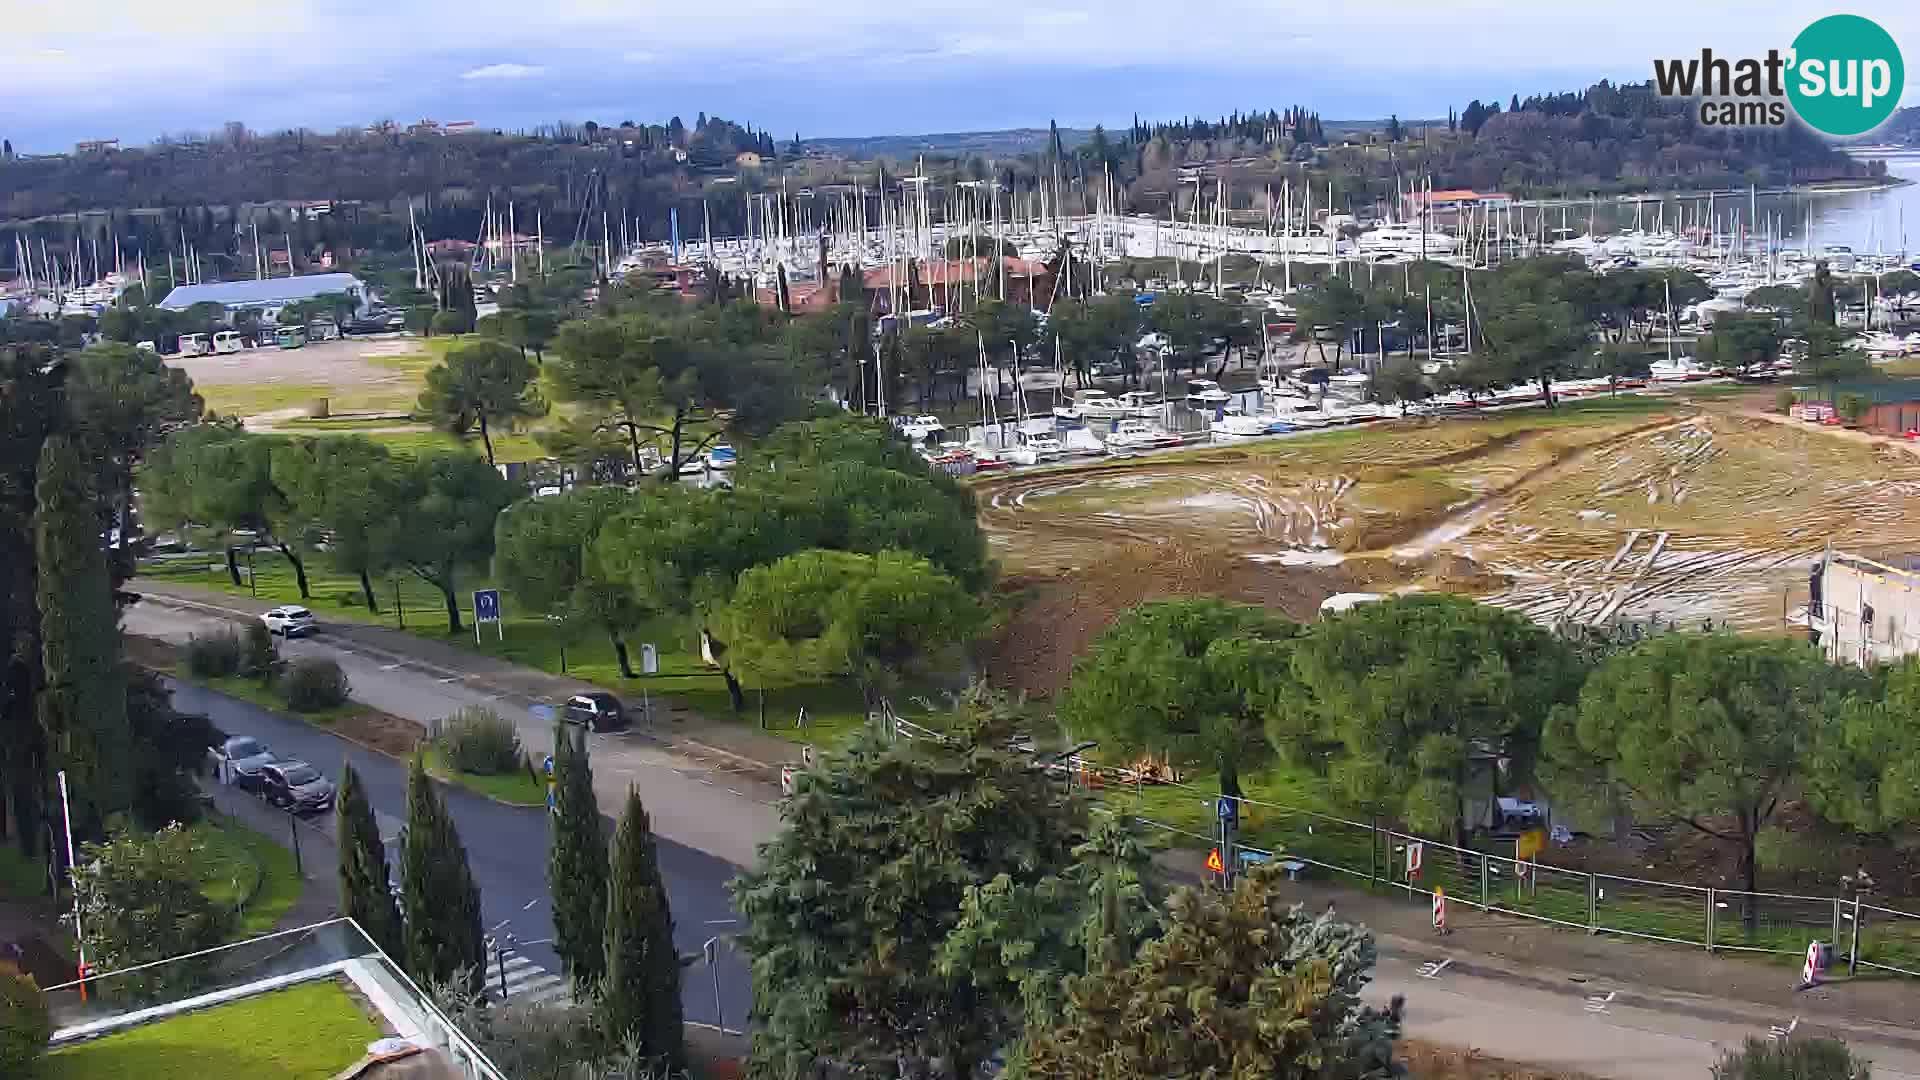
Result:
[389,667]
[1597,1003]
[525,980]
[1433,970]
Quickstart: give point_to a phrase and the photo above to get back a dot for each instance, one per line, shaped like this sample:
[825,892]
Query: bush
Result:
[1852,407]
[1784,400]
[1792,1059]
[260,654]
[479,740]
[214,656]
[452,321]
[25,1023]
[314,683]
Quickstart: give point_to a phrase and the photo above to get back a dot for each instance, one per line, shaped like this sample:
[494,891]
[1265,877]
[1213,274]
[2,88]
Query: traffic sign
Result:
[806,756]
[1440,909]
[1414,851]
[1530,844]
[786,780]
[1215,863]
[1228,808]
[546,764]
[1810,971]
[486,609]
[649,660]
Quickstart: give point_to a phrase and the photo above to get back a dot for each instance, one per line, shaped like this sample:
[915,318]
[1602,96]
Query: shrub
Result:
[1852,407]
[314,683]
[479,740]
[1792,1059]
[1784,400]
[260,654]
[452,321]
[25,1023]
[214,656]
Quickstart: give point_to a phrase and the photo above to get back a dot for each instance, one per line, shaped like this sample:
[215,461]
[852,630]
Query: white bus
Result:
[228,341]
[195,345]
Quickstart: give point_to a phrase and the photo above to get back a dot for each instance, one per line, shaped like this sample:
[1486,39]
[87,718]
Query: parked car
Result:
[289,621]
[243,756]
[597,710]
[296,786]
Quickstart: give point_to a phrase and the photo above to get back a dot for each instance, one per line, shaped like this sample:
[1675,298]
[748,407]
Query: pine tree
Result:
[366,891]
[437,891]
[577,864]
[640,991]
[83,709]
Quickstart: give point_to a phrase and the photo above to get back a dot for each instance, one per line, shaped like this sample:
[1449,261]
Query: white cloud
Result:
[505,71]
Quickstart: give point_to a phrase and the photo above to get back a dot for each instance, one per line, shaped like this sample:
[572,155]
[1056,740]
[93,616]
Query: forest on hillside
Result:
[1603,140]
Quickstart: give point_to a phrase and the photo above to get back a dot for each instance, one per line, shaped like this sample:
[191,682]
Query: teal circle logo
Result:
[1845,77]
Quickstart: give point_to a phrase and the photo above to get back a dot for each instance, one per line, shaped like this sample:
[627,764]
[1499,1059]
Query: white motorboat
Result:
[923,430]
[1131,435]
[1354,412]
[1241,427]
[1205,393]
[1402,240]
[1093,405]
[1682,369]
[1037,450]
[1142,403]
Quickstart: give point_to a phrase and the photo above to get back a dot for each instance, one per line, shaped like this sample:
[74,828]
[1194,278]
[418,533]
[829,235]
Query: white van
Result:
[228,341]
[195,345]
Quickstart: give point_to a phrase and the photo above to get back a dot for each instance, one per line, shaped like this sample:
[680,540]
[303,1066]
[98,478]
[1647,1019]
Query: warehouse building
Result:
[266,294]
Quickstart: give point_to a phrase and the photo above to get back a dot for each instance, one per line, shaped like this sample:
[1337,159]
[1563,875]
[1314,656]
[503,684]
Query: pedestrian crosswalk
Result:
[525,982]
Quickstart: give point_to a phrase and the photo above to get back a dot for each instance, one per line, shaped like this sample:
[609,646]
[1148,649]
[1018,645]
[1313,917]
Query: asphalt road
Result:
[701,804]
[507,849]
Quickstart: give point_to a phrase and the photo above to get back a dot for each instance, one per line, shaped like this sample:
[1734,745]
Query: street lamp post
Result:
[711,950]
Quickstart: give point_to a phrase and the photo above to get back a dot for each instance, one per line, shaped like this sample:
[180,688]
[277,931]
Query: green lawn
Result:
[249,869]
[833,709]
[306,1032]
[514,787]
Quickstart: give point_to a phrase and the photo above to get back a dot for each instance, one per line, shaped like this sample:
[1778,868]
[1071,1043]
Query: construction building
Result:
[1864,609]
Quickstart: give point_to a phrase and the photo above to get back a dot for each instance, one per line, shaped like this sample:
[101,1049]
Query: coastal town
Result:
[1261,592]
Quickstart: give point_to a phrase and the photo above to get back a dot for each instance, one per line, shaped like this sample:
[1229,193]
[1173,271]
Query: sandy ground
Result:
[1703,512]
[265,386]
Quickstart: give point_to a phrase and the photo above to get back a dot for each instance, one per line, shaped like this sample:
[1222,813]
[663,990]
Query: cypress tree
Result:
[83,708]
[577,863]
[366,892]
[442,903]
[640,991]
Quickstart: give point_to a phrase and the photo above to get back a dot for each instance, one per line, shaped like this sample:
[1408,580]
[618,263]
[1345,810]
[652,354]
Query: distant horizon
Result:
[852,69]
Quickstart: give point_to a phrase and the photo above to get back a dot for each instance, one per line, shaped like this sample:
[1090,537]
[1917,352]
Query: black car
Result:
[296,785]
[596,710]
[244,756]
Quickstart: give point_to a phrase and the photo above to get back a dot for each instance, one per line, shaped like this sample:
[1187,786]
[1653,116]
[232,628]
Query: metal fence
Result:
[1376,856]
[1860,934]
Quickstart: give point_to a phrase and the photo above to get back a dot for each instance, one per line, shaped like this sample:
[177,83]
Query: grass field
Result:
[307,1032]
[247,869]
[516,788]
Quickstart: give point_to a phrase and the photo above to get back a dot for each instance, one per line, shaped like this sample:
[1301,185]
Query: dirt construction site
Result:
[1688,510]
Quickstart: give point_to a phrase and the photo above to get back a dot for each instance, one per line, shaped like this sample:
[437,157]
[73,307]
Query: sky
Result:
[135,69]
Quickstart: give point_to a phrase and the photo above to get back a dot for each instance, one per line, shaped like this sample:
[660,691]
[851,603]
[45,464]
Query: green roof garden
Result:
[310,1031]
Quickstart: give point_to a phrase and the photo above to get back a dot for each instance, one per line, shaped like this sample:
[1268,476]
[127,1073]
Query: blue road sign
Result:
[486,605]
[548,766]
[1228,809]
